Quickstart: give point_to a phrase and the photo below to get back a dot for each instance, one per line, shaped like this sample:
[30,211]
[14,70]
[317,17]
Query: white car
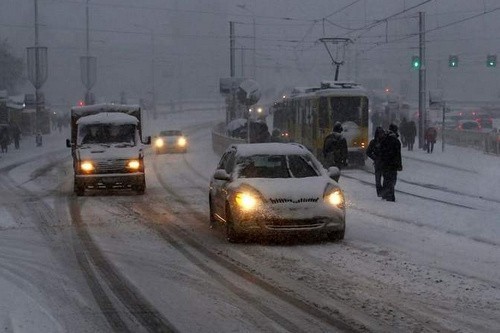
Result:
[170,141]
[267,188]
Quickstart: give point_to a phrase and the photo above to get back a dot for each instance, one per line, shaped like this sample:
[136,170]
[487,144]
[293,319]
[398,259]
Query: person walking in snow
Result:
[391,163]
[374,152]
[430,139]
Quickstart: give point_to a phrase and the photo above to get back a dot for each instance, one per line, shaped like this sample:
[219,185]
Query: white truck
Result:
[107,147]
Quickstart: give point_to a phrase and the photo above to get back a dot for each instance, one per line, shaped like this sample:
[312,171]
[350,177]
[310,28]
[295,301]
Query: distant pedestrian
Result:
[335,148]
[430,139]
[403,128]
[390,156]
[374,152]
[411,133]
[16,134]
[39,139]
[4,138]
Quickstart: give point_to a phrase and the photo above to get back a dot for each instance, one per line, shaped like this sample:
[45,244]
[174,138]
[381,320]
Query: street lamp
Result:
[153,88]
[254,39]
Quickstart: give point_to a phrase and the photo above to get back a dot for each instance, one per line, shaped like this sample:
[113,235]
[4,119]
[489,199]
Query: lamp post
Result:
[153,85]
[254,65]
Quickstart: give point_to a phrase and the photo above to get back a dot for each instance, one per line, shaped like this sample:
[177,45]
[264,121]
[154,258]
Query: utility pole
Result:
[422,110]
[37,72]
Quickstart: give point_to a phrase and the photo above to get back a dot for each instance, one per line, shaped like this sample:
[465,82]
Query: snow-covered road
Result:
[428,262]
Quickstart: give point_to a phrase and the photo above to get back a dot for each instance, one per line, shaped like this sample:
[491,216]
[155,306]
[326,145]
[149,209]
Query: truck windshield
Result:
[106,134]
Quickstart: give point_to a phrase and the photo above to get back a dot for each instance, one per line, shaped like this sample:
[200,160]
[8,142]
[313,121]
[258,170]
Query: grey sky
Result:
[191,44]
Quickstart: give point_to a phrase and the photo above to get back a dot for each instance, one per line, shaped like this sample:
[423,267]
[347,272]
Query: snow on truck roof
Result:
[248,149]
[105,107]
[116,118]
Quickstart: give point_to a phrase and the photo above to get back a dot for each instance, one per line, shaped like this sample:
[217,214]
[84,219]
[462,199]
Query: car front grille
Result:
[287,200]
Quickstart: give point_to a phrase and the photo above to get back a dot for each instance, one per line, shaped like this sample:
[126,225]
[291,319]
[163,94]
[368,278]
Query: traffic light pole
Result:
[422,111]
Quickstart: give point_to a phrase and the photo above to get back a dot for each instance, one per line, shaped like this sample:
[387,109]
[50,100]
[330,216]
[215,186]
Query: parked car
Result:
[170,141]
[275,188]
[468,125]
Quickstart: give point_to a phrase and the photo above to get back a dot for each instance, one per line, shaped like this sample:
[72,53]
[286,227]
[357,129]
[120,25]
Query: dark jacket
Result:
[390,153]
[431,135]
[335,150]
[374,148]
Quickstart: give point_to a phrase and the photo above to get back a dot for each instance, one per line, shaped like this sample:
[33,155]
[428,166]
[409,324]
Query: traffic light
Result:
[453,61]
[415,62]
[491,60]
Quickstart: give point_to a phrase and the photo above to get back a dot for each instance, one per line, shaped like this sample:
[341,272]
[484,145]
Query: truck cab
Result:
[107,148]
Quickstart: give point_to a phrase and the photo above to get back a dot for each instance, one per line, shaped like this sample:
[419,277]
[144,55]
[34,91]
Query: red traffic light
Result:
[81,103]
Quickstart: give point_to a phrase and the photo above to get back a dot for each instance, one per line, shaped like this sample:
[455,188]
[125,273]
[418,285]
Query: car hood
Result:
[292,189]
[112,152]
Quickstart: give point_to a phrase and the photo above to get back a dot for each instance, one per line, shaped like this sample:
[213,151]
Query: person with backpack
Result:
[335,148]
[374,152]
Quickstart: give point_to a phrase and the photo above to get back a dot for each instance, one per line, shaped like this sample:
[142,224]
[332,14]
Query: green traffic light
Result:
[415,62]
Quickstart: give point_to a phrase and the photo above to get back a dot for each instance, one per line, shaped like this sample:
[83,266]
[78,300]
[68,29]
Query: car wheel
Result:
[213,220]
[232,235]
[336,235]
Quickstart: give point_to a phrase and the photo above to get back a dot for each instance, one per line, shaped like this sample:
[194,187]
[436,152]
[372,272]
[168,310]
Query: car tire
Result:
[337,235]
[232,235]
[213,220]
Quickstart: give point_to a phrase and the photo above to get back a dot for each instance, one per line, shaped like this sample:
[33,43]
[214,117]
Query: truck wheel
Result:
[79,189]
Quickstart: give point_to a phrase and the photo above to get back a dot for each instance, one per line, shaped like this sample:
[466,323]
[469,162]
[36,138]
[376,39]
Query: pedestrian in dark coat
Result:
[4,139]
[390,155]
[16,134]
[430,139]
[411,134]
[374,152]
[335,148]
[403,128]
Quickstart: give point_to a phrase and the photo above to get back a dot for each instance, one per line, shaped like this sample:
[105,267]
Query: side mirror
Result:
[221,174]
[148,140]
[68,143]
[334,173]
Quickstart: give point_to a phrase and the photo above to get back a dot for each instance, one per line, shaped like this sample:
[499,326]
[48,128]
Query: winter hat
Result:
[393,128]
[337,127]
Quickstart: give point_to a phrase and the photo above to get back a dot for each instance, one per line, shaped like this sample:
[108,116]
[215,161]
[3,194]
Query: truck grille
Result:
[111,166]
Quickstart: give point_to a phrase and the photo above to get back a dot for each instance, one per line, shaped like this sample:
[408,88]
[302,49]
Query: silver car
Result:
[276,188]
[170,141]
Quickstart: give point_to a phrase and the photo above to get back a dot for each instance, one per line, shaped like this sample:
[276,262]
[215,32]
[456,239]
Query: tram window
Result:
[323,112]
[346,109]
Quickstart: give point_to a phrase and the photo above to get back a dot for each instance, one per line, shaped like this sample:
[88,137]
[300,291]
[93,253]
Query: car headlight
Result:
[134,164]
[334,196]
[87,166]
[247,201]
[159,143]
[181,142]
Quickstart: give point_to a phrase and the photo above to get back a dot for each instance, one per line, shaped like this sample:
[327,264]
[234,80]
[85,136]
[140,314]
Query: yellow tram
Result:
[308,114]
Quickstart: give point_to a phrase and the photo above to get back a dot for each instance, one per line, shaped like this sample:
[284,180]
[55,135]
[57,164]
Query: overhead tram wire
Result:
[375,23]
[433,29]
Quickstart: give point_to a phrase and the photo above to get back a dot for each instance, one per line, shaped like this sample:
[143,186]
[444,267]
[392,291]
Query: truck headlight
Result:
[87,166]
[247,201]
[334,196]
[181,142]
[159,143]
[134,164]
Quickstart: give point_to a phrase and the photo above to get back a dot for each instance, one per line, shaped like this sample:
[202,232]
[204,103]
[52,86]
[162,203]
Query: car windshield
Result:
[171,133]
[106,134]
[276,166]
